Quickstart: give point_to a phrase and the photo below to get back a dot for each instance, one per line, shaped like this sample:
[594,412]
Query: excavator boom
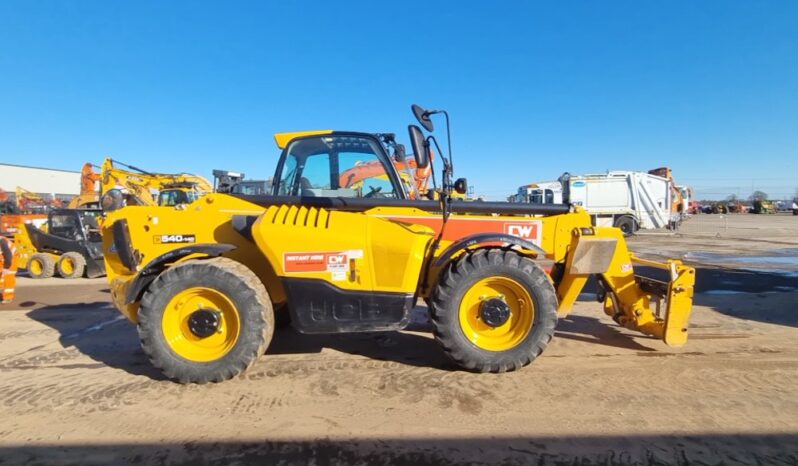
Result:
[142,186]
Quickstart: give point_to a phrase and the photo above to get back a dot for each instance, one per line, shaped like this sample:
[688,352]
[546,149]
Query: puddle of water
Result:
[779,261]
[724,292]
[783,273]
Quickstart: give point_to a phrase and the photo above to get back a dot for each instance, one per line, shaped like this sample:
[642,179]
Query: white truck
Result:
[624,199]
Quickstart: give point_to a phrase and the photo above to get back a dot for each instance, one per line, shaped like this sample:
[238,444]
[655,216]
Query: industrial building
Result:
[63,184]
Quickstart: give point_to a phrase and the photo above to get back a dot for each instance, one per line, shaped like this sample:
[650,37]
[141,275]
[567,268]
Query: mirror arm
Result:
[448,138]
[429,113]
[447,167]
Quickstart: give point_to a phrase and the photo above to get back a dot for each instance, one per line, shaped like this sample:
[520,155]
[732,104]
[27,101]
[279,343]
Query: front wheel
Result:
[205,320]
[41,265]
[494,311]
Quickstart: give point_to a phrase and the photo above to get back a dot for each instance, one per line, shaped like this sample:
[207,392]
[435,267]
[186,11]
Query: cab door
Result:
[342,271]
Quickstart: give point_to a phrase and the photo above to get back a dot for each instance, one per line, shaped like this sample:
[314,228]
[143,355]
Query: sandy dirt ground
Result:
[75,388]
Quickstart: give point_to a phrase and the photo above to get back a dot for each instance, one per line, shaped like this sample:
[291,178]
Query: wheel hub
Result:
[204,323]
[494,312]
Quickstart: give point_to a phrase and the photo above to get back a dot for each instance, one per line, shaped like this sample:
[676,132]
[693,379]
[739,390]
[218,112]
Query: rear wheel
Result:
[205,320]
[41,265]
[494,311]
[71,265]
[626,224]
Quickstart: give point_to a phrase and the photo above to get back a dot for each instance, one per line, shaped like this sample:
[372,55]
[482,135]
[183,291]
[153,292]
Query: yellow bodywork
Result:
[83,201]
[282,139]
[24,246]
[386,249]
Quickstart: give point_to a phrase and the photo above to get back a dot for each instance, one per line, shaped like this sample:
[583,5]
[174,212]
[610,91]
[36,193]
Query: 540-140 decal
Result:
[172,239]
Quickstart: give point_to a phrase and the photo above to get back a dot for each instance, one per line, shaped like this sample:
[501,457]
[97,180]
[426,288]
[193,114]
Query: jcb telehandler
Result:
[203,281]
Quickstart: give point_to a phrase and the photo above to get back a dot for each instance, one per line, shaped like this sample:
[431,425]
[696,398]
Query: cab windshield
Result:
[336,166]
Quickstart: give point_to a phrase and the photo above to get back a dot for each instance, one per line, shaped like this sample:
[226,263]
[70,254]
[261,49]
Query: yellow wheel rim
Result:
[180,337]
[67,265]
[507,335]
[35,267]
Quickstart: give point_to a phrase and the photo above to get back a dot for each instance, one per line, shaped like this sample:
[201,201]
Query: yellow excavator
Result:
[141,187]
[203,282]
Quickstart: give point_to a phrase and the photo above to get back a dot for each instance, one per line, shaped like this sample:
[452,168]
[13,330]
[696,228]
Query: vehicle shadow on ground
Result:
[412,349]
[99,332]
[703,449]
[104,335]
[592,330]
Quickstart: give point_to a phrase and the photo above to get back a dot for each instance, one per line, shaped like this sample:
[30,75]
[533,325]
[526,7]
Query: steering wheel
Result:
[375,192]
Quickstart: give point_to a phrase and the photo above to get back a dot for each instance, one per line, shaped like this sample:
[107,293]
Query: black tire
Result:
[236,283]
[78,265]
[626,224]
[464,273]
[45,267]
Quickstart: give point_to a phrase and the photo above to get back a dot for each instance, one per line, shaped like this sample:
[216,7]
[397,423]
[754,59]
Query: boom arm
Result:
[140,184]
[660,308]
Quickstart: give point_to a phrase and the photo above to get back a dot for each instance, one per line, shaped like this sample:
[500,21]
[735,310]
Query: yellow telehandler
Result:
[203,281]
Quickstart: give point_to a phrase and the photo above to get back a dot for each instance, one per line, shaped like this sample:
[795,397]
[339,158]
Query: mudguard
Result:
[157,265]
[485,238]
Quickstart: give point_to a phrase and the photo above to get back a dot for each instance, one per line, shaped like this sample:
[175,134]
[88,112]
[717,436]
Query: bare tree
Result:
[758,196]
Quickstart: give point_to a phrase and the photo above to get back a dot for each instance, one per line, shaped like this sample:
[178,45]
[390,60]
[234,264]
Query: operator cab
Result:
[75,224]
[337,164]
[174,194]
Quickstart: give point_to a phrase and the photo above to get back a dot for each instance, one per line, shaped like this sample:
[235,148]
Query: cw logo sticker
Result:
[527,230]
[337,262]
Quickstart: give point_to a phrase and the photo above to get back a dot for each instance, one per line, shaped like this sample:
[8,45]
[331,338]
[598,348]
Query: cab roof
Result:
[282,139]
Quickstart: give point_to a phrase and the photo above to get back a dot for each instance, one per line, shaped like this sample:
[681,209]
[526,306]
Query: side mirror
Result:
[423,117]
[461,186]
[420,146]
[399,153]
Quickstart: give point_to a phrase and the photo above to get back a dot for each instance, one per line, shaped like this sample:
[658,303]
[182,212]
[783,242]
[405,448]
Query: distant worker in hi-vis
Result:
[8,276]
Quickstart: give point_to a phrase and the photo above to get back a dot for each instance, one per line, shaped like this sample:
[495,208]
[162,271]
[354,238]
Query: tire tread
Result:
[454,283]
[226,368]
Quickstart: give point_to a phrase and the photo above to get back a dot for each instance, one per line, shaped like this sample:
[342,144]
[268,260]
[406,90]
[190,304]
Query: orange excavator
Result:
[416,179]
[89,197]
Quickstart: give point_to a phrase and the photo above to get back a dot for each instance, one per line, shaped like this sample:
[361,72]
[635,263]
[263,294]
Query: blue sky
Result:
[534,89]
